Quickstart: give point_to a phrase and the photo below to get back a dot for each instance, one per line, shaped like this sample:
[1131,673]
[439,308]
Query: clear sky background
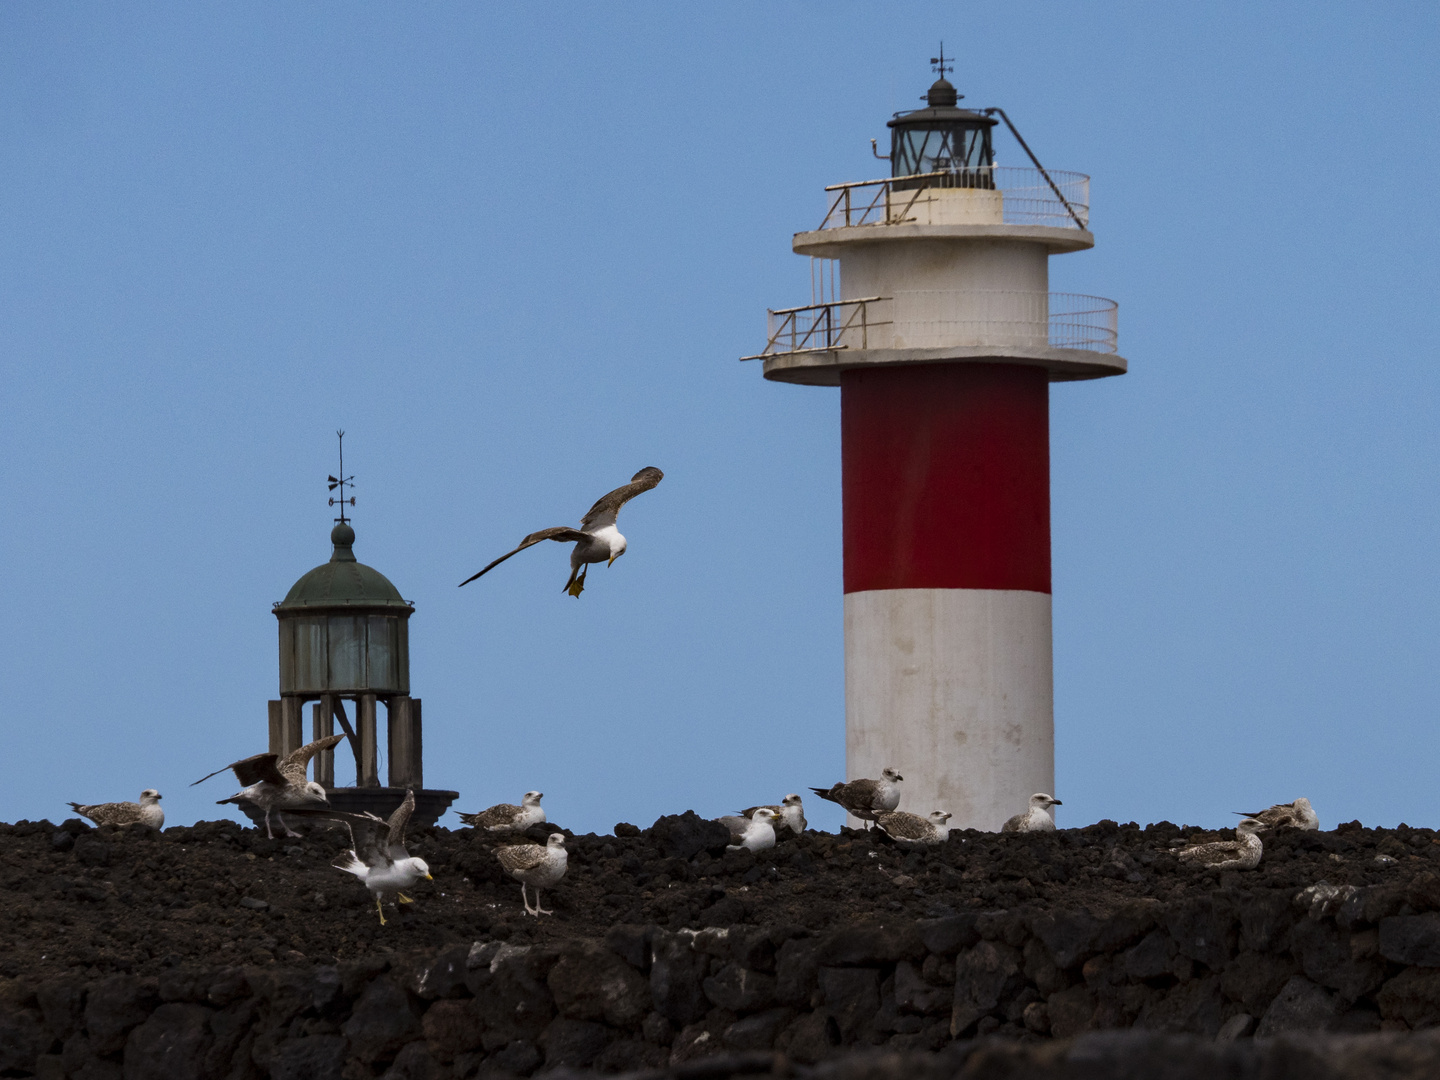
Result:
[516,250]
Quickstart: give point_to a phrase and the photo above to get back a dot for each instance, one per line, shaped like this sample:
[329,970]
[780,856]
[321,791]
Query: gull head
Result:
[1248,827]
[314,792]
[891,775]
[939,817]
[1043,801]
[1303,804]
[149,795]
[790,800]
[557,840]
[766,814]
[616,552]
[422,868]
[532,798]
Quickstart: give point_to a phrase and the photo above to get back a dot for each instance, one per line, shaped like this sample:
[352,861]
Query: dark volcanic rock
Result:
[683,836]
[1411,939]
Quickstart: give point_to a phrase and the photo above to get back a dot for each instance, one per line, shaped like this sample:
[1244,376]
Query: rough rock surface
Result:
[211,952]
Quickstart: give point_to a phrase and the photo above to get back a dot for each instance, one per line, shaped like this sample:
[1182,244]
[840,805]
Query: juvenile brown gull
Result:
[1037,818]
[791,811]
[507,817]
[535,864]
[146,812]
[597,539]
[866,798]
[912,829]
[377,854]
[1296,815]
[1242,853]
[754,833]
[275,785]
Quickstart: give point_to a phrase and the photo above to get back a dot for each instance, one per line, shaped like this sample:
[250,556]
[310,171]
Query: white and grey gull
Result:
[790,810]
[1035,819]
[753,833]
[377,854]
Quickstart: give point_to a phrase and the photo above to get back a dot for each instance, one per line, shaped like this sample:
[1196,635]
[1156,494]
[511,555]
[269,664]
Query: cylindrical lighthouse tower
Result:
[943,337]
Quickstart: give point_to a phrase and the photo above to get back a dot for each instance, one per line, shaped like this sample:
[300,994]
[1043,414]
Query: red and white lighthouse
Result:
[940,330]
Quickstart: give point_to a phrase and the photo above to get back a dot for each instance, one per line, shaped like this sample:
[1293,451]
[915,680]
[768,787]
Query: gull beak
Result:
[429,878]
[612,560]
[1056,802]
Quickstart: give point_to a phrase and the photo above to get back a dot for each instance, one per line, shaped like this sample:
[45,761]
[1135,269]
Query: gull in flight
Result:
[507,817]
[377,854]
[866,798]
[791,811]
[275,785]
[597,539]
[1296,815]
[537,865]
[753,833]
[146,812]
[1037,818]
[1242,853]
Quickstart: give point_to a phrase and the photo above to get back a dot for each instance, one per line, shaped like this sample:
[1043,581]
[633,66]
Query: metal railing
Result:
[929,319]
[844,324]
[1030,196]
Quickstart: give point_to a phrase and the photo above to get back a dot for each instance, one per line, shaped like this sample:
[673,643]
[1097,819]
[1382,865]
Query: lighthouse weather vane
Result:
[342,482]
[937,63]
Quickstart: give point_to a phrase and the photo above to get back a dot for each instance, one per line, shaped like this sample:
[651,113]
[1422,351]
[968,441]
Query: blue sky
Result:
[515,252]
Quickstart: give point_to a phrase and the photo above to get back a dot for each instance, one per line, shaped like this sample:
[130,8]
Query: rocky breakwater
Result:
[197,954]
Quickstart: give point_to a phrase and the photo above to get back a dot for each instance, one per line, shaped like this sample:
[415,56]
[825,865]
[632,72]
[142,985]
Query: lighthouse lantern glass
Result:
[961,148]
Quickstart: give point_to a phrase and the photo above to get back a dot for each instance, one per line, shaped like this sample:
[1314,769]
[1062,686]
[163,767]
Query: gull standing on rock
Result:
[912,829]
[1296,815]
[753,833]
[1037,818]
[790,810]
[377,854]
[275,785]
[597,539]
[508,818]
[146,812]
[537,865]
[866,798]
[1242,853]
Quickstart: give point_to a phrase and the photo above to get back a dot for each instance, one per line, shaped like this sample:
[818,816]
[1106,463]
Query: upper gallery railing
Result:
[1029,196]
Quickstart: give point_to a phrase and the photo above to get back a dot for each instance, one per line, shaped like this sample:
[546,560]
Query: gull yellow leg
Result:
[402,898]
[379,909]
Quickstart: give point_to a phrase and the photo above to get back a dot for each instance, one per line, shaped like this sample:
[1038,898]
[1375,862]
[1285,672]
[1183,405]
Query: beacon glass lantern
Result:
[942,138]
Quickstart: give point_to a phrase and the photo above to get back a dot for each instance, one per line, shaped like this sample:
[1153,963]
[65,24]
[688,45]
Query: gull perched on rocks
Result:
[753,833]
[1037,818]
[146,812]
[275,785]
[1296,815]
[790,810]
[597,539]
[377,854]
[535,864]
[1242,853]
[912,829]
[508,818]
[866,798]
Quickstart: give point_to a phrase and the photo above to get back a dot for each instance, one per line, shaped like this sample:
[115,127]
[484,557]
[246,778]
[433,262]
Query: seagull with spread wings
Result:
[597,539]
[377,854]
[275,785]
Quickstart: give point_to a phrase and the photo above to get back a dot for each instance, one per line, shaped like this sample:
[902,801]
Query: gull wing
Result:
[395,841]
[903,824]
[366,832]
[294,766]
[252,770]
[607,507]
[736,824]
[518,857]
[561,533]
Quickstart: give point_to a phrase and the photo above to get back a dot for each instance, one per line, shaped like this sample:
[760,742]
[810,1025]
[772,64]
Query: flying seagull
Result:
[146,812]
[275,785]
[1242,853]
[753,833]
[537,865]
[597,539]
[508,818]
[377,854]
[1037,818]
[866,798]
[912,829]
[1296,815]
[791,811]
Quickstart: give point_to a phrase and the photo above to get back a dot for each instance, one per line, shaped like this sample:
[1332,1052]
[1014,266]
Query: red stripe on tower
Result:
[946,477]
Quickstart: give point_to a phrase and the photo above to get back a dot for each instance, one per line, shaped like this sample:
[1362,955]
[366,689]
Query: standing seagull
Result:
[275,785]
[866,798]
[377,854]
[146,812]
[1037,818]
[1296,815]
[532,864]
[791,811]
[912,829]
[507,817]
[597,539]
[753,833]
[1242,853]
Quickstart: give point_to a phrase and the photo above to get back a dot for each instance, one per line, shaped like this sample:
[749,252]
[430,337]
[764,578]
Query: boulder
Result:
[169,1045]
[22,1040]
[676,975]
[683,836]
[1413,940]
[589,982]
[851,996]
[452,1027]
[114,1006]
[573,1043]
[1301,1006]
[382,1021]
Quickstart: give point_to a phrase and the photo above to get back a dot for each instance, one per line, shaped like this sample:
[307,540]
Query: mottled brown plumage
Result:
[146,812]
[866,798]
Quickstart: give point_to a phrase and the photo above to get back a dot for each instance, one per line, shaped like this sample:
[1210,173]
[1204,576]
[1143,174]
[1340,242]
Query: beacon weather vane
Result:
[938,64]
[342,482]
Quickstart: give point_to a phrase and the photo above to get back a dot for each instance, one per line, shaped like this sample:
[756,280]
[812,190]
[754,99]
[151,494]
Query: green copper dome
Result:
[343,582]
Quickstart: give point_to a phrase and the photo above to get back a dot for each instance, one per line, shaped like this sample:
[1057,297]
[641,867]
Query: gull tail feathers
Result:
[351,864]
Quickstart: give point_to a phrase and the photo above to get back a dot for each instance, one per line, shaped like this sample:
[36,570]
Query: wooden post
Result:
[322,724]
[404,742]
[367,773]
[277,727]
[290,725]
[417,746]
